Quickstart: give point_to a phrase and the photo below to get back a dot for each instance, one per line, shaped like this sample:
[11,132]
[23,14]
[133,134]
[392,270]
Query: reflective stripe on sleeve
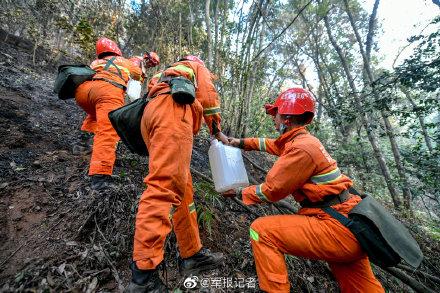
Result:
[262,144]
[327,177]
[261,194]
[191,207]
[211,111]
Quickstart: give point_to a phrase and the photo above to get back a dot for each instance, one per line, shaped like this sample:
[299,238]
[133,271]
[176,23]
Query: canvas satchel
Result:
[385,239]
[126,120]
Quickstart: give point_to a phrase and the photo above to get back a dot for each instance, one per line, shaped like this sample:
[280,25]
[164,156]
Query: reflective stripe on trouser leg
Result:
[253,234]
[297,235]
[269,260]
[185,224]
[167,131]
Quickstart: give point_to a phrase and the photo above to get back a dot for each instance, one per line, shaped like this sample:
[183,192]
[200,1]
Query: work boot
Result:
[145,281]
[203,260]
[101,182]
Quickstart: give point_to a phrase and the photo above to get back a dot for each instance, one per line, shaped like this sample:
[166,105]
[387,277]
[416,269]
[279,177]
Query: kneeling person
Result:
[307,172]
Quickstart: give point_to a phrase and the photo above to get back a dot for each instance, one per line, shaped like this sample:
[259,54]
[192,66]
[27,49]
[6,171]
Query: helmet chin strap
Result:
[284,126]
[144,68]
[282,129]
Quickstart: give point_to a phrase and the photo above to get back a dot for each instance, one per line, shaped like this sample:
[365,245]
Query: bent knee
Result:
[256,228]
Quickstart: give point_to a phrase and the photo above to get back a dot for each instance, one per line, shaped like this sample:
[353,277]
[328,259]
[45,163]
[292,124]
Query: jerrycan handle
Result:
[214,141]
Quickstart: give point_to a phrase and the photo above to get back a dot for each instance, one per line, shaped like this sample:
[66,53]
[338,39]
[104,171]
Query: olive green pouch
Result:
[182,90]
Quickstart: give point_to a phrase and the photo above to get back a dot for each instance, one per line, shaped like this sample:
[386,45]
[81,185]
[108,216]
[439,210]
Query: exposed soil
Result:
[58,235]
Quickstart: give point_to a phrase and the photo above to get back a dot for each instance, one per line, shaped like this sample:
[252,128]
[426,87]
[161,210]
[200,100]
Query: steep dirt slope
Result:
[56,234]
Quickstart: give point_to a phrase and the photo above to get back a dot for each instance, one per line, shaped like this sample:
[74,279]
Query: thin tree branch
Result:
[282,32]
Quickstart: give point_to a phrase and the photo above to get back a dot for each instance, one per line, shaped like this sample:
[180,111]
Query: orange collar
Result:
[286,137]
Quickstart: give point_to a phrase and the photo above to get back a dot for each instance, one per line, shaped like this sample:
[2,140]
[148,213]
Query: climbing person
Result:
[148,60]
[99,96]
[306,171]
[168,126]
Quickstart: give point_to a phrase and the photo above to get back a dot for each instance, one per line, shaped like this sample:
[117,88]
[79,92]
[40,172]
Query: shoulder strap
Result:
[110,63]
[338,216]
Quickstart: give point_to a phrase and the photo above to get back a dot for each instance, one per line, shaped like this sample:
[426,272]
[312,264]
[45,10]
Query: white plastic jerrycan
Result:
[227,167]
[134,89]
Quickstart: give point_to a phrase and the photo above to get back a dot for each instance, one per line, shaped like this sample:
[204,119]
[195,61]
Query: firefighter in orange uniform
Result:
[101,95]
[168,128]
[306,171]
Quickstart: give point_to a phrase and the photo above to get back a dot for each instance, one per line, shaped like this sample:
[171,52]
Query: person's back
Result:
[97,97]
[206,104]
[116,69]
[305,170]
[168,128]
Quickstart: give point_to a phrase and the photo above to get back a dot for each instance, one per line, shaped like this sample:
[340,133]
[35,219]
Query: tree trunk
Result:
[190,27]
[254,68]
[367,124]
[208,32]
[371,25]
[389,129]
[34,51]
[222,38]
[397,158]
[421,121]
[216,45]
[180,35]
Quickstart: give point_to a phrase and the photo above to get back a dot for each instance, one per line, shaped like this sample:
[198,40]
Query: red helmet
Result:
[151,59]
[294,101]
[104,45]
[194,58]
[137,60]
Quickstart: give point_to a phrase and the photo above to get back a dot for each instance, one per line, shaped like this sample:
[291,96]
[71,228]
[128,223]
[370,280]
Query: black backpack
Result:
[126,120]
[69,78]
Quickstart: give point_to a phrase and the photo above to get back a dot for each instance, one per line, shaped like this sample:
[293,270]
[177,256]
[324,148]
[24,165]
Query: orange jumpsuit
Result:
[97,98]
[168,128]
[306,171]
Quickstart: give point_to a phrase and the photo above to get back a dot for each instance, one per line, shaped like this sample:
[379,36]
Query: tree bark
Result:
[365,121]
[34,51]
[190,27]
[410,281]
[388,127]
[180,35]
[371,30]
[208,32]
[216,27]
[421,120]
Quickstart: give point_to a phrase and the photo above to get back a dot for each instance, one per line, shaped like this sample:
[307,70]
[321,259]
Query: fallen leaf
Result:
[92,286]
[61,268]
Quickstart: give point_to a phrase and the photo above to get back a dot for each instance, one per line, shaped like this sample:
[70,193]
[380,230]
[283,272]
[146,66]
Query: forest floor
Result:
[58,235]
